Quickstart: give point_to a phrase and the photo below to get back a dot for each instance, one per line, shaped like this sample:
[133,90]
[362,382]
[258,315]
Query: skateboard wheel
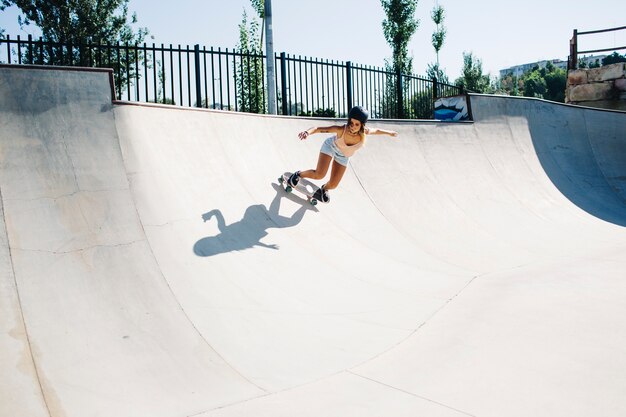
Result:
[281,180]
[288,188]
[313,202]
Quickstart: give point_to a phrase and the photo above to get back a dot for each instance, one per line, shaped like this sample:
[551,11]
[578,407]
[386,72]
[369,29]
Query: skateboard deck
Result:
[304,187]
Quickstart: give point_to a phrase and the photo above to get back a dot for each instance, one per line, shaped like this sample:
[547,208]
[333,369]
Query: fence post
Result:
[270,58]
[283,83]
[30,49]
[573,51]
[435,88]
[400,98]
[8,41]
[349,83]
[196,53]
[19,50]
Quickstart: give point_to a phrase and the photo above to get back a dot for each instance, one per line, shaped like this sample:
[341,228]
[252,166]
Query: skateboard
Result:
[304,187]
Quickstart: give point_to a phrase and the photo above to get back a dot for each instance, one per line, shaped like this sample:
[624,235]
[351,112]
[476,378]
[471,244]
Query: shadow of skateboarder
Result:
[248,232]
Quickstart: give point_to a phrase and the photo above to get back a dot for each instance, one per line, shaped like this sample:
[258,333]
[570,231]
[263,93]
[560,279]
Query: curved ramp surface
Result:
[152,266]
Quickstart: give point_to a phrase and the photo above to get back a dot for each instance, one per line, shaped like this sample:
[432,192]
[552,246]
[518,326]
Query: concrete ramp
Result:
[150,265]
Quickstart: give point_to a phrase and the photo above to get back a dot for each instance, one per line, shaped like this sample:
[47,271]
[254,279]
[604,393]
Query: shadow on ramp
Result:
[581,152]
[248,232]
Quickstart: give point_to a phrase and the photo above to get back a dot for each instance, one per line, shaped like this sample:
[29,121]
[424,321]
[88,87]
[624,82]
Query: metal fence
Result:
[235,80]
[572,62]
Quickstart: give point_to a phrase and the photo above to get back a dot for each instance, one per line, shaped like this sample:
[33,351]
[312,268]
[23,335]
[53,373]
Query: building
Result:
[519,70]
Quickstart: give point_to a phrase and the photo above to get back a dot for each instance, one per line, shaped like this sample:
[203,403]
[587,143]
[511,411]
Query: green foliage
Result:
[2,7]
[614,58]
[398,28]
[297,109]
[582,63]
[319,113]
[325,113]
[556,83]
[80,21]
[509,85]
[390,96]
[421,105]
[473,78]
[548,83]
[160,96]
[434,71]
[259,7]
[438,14]
[73,23]
[439,35]
[437,39]
[534,85]
[249,71]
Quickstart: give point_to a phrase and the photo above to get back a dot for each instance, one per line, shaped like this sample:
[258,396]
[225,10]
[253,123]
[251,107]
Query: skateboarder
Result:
[347,139]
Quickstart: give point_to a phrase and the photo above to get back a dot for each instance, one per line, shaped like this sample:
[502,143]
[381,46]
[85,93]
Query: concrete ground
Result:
[150,265]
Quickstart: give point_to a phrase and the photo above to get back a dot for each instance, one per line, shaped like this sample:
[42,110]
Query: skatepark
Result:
[151,265]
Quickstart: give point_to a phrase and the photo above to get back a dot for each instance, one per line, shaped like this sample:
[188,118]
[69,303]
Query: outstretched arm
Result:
[377,131]
[263,245]
[329,129]
[221,223]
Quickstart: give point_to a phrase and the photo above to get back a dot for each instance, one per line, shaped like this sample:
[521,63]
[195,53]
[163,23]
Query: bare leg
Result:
[318,173]
[336,174]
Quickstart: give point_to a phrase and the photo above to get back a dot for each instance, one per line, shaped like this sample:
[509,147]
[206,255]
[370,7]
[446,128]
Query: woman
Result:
[347,139]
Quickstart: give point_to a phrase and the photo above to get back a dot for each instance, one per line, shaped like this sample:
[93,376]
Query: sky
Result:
[499,33]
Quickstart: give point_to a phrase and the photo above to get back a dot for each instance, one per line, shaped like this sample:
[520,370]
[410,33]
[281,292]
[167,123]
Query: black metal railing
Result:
[235,80]
[572,63]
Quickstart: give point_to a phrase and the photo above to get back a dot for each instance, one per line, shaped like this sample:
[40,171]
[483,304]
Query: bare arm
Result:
[377,131]
[329,129]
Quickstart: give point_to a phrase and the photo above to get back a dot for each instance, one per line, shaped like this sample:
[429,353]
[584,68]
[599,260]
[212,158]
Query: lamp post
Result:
[269,58]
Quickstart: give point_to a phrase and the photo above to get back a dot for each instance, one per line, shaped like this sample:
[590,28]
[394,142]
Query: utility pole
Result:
[269,59]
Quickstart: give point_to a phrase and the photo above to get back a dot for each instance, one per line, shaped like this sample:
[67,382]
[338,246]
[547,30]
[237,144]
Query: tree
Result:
[509,85]
[439,35]
[249,70]
[434,71]
[319,113]
[75,23]
[160,95]
[80,21]
[534,84]
[421,104]
[584,62]
[259,7]
[548,83]
[556,83]
[2,7]
[398,28]
[614,58]
[473,78]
